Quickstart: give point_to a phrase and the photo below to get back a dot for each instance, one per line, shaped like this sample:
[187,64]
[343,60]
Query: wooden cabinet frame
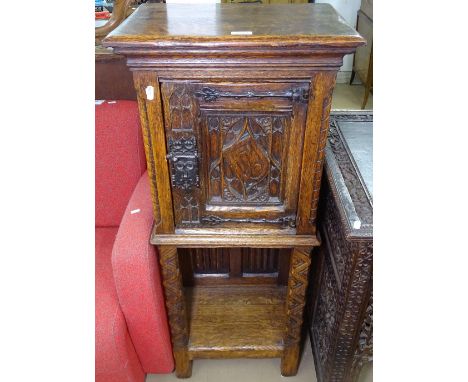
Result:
[292,72]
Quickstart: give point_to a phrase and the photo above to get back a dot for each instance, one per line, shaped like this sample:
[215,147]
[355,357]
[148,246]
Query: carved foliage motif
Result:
[339,246]
[337,318]
[364,348]
[358,277]
[353,117]
[326,316]
[245,158]
[338,315]
[297,286]
[175,302]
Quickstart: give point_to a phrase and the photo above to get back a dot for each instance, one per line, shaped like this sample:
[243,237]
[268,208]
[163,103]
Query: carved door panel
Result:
[234,152]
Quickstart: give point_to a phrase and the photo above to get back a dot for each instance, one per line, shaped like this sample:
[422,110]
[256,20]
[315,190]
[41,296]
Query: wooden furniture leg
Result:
[176,309]
[295,302]
[353,74]
[368,82]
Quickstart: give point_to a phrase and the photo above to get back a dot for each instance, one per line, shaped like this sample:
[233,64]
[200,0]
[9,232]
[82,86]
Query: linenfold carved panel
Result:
[245,158]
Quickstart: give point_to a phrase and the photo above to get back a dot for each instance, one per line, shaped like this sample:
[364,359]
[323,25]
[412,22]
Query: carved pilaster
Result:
[315,139]
[324,125]
[358,276]
[147,142]
[295,302]
[175,304]
[151,117]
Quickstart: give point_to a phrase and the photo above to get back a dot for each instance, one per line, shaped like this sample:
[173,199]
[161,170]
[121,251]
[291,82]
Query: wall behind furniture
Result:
[348,9]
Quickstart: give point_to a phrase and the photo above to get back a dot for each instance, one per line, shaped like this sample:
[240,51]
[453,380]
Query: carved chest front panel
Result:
[234,151]
[341,307]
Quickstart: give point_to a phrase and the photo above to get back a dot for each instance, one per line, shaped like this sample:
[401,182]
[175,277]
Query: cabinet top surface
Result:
[179,24]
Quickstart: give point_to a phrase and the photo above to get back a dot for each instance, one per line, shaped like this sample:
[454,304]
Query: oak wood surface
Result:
[235,240]
[178,24]
[155,143]
[235,128]
[249,136]
[312,159]
[239,321]
[295,302]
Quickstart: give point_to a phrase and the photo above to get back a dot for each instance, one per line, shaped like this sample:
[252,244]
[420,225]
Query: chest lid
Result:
[348,167]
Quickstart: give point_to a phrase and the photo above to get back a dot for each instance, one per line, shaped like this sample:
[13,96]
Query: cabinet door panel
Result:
[235,152]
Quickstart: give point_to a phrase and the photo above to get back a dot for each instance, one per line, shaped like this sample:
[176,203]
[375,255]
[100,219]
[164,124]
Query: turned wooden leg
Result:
[176,310]
[183,368]
[295,302]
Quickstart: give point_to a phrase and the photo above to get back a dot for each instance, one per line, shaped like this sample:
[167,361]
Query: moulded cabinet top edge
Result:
[161,26]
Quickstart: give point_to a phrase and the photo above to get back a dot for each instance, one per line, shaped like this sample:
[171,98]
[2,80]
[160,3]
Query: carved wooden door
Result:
[235,154]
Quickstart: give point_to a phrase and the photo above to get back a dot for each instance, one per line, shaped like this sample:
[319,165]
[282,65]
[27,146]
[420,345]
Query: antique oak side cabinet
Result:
[234,103]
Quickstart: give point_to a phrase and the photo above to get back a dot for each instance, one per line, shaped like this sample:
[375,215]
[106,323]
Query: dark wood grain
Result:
[341,304]
[113,79]
[234,266]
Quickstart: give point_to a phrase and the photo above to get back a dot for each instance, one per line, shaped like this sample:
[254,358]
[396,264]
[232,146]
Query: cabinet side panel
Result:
[155,146]
[148,144]
[315,139]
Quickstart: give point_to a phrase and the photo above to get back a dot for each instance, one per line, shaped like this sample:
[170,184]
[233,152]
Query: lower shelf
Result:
[236,321]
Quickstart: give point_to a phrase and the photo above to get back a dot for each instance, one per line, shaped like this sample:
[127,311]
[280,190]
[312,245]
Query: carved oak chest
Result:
[341,303]
[234,103]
